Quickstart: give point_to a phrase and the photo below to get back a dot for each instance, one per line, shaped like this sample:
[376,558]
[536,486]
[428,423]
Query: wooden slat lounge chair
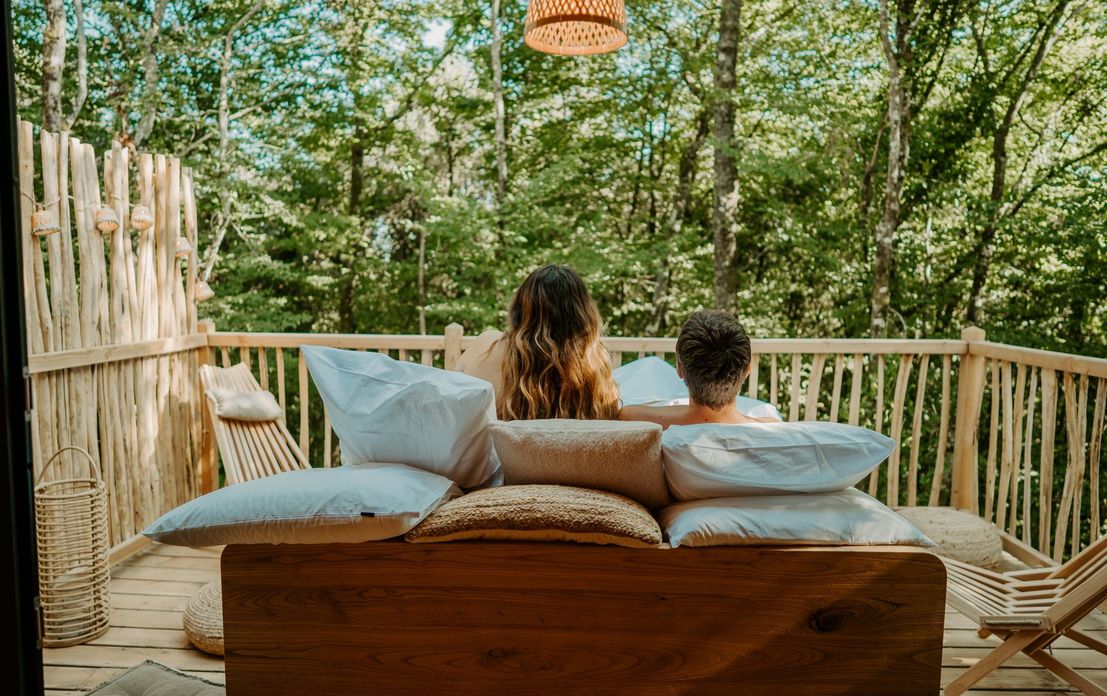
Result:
[249,450]
[1030,609]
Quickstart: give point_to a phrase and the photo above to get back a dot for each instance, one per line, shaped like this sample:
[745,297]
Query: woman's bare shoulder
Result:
[479,349]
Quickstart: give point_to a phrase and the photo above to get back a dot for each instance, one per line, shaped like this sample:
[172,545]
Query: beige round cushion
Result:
[959,535]
[203,619]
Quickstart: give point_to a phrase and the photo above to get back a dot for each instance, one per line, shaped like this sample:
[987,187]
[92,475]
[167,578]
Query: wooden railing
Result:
[977,422]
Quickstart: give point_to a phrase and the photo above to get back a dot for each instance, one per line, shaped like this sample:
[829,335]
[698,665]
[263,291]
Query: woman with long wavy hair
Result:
[550,362]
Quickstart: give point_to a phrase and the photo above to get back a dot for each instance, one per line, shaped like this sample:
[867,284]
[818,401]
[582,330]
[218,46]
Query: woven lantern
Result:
[141,218]
[183,249]
[576,27]
[44,222]
[106,220]
[203,291]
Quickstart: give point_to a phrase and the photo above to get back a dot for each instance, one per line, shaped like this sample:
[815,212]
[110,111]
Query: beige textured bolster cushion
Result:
[959,535]
[245,405]
[541,513]
[623,458]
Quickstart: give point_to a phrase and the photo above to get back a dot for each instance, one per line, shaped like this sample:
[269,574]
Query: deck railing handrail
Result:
[963,402]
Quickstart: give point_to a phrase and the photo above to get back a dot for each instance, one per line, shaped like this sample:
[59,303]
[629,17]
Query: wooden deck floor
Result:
[150,591]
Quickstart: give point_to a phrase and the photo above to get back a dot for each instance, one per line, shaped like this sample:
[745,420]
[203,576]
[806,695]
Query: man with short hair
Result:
[713,359]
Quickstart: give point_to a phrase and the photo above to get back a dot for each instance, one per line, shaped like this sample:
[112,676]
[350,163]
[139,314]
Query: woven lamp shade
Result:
[576,27]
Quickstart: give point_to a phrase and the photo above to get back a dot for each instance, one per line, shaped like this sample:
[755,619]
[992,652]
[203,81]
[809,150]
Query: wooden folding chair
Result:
[249,450]
[1030,609]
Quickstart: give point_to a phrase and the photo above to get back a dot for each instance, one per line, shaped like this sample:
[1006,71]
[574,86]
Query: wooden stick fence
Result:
[111,322]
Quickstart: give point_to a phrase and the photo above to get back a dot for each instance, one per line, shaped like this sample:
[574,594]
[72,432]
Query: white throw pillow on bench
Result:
[651,381]
[346,504]
[847,517]
[386,410]
[253,406]
[716,460]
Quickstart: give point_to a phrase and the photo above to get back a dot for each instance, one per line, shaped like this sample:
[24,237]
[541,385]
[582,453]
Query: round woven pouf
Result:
[203,619]
[959,535]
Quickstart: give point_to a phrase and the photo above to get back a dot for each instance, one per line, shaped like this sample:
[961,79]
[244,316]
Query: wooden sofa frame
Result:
[497,618]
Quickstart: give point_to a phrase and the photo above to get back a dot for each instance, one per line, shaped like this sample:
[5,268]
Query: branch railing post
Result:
[208,463]
[453,332]
[970,394]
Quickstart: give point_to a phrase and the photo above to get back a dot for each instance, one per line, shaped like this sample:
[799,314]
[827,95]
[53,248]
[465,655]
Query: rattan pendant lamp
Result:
[576,27]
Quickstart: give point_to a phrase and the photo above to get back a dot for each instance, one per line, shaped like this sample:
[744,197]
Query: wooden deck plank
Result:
[90,655]
[150,591]
[145,618]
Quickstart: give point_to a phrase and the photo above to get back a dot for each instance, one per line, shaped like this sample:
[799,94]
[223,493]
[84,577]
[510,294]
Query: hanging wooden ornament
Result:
[183,249]
[44,222]
[141,218]
[203,291]
[106,220]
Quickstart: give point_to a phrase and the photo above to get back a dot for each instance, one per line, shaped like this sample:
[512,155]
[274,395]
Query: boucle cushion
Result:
[959,535]
[540,512]
[623,458]
[245,405]
[203,619]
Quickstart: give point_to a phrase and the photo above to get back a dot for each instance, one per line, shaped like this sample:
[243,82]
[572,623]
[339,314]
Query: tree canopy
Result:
[355,173]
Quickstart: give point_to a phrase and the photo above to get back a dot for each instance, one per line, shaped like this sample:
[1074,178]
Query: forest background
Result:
[838,169]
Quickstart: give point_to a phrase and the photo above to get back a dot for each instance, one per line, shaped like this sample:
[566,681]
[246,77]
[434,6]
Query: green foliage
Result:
[396,97]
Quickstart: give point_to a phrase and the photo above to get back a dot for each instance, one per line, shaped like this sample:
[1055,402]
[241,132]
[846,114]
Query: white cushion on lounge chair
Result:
[386,410]
[651,381]
[721,460]
[245,405]
[346,504]
[846,517]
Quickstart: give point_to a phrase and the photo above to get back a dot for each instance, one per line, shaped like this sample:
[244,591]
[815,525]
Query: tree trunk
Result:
[422,279]
[498,107]
[82,67]
[357,158]
[985,242]
[53,64]
[686,174]
[150,76]
[223,215]
[725,201]
[898,116]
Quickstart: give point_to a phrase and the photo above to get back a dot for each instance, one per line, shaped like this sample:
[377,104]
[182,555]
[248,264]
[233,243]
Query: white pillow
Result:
[651,381]
[257,406]
[846,517]
[718,461]
[384,410]
[346,504]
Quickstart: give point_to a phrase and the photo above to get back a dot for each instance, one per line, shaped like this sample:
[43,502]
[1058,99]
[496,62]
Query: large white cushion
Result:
[346,504]
[621,457]
[846,517]
[385,410]
[718,460]
[651,381]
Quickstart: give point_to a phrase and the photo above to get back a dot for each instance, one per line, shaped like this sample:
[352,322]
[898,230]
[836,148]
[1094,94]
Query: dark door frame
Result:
[21,656]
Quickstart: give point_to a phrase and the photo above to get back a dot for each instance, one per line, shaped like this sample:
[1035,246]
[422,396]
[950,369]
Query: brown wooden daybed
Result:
[395,618]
